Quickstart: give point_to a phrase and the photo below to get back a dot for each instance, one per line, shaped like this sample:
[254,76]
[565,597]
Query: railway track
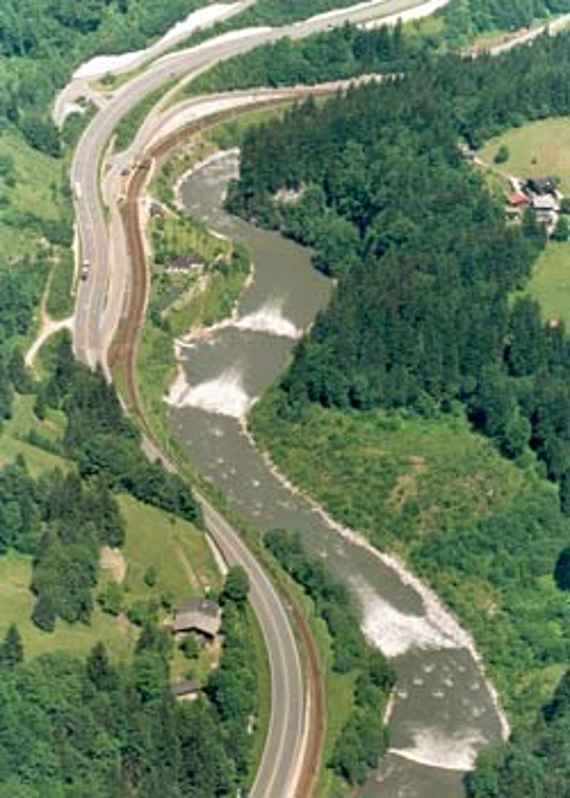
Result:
[123,362]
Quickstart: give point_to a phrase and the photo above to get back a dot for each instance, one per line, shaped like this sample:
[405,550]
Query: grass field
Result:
[60,301]
[32,192]
[23,421]
[538,149]
[176,549]
[429,490]
[17,601]
[550,283]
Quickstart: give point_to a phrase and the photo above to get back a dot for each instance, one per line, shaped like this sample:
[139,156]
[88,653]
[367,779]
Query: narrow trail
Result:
[48,328]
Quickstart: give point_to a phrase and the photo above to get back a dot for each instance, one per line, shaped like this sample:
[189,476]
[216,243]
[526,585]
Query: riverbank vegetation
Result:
[197,278]
[363,739]
[423,351]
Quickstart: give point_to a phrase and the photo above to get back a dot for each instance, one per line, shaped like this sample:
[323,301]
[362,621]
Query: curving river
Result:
[443,710]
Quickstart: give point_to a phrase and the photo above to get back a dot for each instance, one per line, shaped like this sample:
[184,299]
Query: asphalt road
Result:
[279,769]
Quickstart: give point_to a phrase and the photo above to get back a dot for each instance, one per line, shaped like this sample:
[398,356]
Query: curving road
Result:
[90,337]
[278,773]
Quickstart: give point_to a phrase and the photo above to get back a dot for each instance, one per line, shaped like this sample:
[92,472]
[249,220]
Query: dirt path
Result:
[48,328]
[193,578]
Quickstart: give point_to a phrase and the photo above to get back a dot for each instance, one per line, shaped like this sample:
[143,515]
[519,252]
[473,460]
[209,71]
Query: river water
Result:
[443,710]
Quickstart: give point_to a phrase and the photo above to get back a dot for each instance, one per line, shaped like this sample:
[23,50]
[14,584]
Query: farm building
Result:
[198,615]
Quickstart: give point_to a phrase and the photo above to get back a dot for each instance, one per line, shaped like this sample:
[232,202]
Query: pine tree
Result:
[562,569]
[565,493]
[99,669]
[43,614]
[12,649]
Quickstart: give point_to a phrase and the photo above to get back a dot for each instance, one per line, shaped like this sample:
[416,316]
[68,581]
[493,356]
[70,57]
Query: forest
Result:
[103,441]
[43,41]
[339,54]
[364,738]
[425,259]
[465,19]
[427,315]
[75,728]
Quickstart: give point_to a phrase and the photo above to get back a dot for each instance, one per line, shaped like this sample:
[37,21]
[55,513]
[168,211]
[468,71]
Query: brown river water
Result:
[443,710]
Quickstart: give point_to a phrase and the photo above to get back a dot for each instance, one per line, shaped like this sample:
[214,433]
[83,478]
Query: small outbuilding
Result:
[545,203]
[198,615]
[188,689]
[185,263]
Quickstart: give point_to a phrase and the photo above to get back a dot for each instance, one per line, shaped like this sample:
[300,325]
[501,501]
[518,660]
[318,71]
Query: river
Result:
[443,710]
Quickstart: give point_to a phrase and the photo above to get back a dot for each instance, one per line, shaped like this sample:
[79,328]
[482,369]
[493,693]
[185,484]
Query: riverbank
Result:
[433,519]
[211,297]
[205,430]
[436,612]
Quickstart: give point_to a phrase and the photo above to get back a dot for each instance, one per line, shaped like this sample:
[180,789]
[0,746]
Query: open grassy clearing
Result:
[32,193]
[177,550]
[60,300]
[537,149]
[232,133]
[14,431]
[17,601]
[433,492]
[550,283]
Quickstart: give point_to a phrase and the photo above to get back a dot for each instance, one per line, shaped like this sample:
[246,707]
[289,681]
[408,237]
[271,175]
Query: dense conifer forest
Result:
[426,314]
[425,259]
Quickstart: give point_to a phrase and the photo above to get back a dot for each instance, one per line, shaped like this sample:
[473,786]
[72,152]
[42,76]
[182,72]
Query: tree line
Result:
[425,259]
[89,728]
[21,289]
[103,441]
[342,53]
[62,523]
[41,43]
[363,739]
[465,19]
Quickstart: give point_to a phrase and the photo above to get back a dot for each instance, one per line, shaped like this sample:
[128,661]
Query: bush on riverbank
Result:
[485,533]
[363,740]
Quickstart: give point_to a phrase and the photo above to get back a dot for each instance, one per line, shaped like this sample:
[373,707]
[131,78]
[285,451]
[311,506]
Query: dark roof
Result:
[542,185]
[185,262]
[202,605]
[200,615]
[185,687]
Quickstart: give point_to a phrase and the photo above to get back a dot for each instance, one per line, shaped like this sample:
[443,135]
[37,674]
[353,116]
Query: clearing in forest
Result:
[538,149]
